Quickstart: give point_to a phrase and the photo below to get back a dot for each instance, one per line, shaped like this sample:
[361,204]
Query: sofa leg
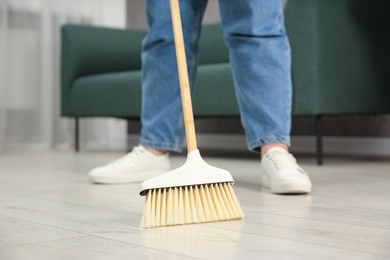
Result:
[76,134]
[319,139]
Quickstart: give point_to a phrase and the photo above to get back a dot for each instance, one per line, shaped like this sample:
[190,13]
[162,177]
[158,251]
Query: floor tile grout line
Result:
[103,238]
[52,226]
[39,242]
[310,243]
[61,201]
[346,207]
[82,234]
[314,219]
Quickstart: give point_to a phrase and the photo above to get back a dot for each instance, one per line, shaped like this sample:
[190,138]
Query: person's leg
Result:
[162,124]
[162,127]
[260,57]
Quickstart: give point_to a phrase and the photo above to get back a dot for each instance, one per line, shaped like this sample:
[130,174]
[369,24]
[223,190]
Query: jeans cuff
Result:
[174,147]
[254,145]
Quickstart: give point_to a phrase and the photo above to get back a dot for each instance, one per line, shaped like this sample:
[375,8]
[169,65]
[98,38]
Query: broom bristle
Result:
[190,205]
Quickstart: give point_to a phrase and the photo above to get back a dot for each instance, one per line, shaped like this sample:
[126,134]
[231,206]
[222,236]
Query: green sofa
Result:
[339,65]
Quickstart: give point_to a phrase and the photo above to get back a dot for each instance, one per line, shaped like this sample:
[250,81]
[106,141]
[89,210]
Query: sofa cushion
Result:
[214,93]
[212,46]
[116,94]
[119,94]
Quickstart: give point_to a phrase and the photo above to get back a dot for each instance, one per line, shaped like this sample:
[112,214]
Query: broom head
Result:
[194,193]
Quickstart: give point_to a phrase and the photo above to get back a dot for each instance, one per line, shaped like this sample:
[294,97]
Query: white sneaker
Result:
[282,174]
[136,166]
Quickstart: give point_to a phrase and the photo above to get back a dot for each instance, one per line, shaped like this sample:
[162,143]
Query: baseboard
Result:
[369,146]
[372,146]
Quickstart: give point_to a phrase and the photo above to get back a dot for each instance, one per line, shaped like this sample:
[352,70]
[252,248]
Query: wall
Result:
[30,74]
[114,14]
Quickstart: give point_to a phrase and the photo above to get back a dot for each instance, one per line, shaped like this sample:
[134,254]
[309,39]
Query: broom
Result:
[195,192]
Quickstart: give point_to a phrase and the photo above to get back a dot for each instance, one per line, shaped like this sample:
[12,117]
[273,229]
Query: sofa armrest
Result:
[88,50]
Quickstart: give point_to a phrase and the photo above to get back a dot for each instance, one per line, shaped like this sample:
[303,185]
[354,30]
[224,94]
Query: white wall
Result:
[30,73]
[114,13]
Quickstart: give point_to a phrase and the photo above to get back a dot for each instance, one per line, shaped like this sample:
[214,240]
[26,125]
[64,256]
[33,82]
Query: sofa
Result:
[339,66]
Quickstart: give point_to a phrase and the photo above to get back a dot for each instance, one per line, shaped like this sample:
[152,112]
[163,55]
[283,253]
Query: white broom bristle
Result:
[190,205]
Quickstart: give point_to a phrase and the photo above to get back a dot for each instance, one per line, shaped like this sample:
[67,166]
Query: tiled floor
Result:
[49,210]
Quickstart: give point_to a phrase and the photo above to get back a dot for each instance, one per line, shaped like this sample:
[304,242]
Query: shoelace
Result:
[282,161]
[137,150]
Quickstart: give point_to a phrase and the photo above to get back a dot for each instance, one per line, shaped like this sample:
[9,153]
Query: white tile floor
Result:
[49,210]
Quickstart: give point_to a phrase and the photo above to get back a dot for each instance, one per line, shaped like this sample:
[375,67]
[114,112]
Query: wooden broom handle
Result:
[183,76]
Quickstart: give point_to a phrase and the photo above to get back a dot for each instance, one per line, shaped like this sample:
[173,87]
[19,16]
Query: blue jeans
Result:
[261,63]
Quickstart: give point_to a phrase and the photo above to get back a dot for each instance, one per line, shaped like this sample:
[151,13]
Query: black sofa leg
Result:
[319,139]
[76,134]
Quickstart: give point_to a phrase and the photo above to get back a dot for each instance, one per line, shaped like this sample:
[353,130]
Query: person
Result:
[260,58]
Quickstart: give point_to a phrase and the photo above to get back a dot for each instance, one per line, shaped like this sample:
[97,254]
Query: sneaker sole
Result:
[133,178]
[293,187]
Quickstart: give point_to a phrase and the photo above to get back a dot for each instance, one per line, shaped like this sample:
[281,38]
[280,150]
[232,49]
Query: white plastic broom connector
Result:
[195,171]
